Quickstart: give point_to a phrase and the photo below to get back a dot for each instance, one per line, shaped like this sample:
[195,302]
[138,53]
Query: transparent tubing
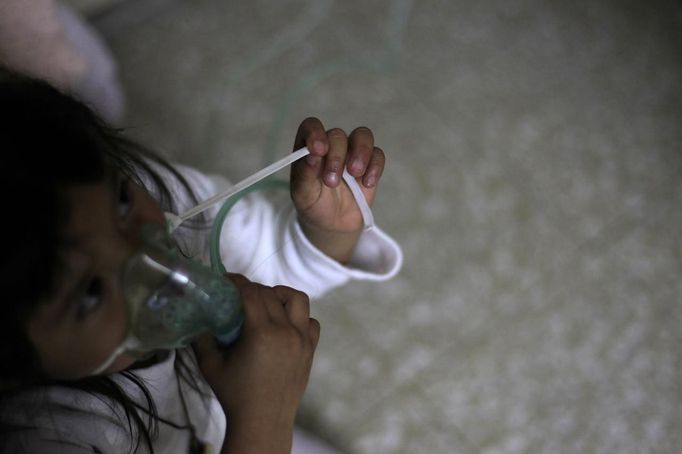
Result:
[174,220]
[214,243]
[214,240]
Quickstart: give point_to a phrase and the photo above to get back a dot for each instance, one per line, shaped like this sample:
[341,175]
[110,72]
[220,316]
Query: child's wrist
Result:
[335,244]
[252,431]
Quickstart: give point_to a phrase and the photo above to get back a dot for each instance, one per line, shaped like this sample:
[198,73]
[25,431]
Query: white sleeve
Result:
[266,244]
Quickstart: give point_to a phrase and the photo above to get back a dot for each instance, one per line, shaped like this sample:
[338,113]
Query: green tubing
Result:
[214,239]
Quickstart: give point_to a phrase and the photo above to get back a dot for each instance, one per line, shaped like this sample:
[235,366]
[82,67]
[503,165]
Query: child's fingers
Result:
[305,180]
[306,172]
[314,332]
[361,142]
[336,157]
[297,307]
[254,309]
[239,280]
[311,134]
[274,302]
[375,169]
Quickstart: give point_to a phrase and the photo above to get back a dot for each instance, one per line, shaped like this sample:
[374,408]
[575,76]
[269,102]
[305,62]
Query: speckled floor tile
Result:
[596,366]
[411,423]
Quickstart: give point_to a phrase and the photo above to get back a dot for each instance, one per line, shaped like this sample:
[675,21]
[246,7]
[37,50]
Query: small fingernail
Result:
[331,179]
[357,167]
[371,180]
[318,147]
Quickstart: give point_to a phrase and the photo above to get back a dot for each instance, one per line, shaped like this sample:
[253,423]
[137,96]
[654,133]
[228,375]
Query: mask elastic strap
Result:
[367,216]
[174,220]
[127,344]
[110,360]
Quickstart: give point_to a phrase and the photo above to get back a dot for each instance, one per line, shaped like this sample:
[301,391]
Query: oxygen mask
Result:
[170,299]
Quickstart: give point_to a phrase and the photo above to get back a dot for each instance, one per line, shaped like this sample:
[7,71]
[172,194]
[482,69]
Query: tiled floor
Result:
[534,181]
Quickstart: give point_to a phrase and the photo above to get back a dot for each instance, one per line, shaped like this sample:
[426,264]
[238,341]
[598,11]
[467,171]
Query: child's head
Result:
[73,208]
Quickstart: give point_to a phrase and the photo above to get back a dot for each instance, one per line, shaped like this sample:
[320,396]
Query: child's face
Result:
[84,320]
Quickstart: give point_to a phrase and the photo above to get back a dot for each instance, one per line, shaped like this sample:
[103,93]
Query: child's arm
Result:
[260,380]
[315,244]
[327,212]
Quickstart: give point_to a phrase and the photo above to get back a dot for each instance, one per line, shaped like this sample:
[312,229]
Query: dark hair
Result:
[50,141]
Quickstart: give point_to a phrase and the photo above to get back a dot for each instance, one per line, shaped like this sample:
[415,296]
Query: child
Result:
[77,196]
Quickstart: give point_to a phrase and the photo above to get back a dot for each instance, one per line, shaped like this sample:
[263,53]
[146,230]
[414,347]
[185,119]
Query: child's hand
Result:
[260,380]
[326,208]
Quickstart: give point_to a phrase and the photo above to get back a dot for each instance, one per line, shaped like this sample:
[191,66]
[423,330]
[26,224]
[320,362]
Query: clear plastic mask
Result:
[170,299]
